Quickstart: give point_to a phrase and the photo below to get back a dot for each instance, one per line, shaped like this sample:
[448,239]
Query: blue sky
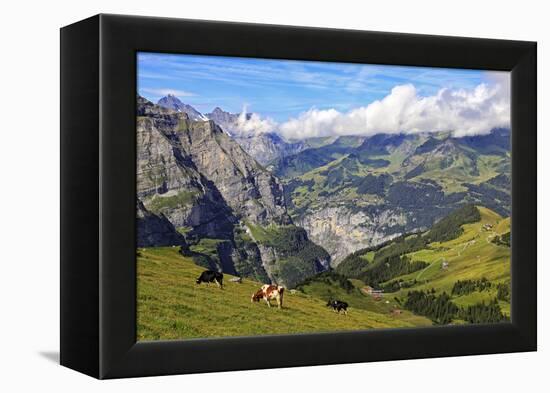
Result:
[282,89]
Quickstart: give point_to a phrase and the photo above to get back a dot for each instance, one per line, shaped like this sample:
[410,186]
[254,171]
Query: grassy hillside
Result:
[326,287]
[471,256]
[457,271]
[171,306]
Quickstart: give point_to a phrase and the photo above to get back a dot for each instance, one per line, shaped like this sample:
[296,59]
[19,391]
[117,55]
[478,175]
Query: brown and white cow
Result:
[269,292]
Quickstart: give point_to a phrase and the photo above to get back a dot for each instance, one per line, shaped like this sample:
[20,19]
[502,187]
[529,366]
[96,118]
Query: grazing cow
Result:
[338,305]
[269,292]
[209,276]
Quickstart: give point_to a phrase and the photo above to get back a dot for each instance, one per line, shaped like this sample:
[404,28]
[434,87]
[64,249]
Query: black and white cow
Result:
[338,305]
[209,276]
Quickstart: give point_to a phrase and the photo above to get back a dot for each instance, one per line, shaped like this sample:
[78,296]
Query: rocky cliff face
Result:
[174,103]
[154,231]
[341,230]
[224,119]
[264,147]
[288,255]
[168,181]
[267,147]
[194,175]
[252,192]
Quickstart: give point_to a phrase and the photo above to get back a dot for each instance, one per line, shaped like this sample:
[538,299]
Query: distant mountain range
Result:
[264,147]
[226,120]
[174,103]
[240,202]
[350,197]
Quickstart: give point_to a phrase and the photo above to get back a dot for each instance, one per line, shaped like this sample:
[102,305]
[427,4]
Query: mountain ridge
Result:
[264,147]
[174,103]
[202,181]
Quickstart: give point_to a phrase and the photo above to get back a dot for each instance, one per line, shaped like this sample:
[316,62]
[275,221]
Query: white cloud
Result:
[465,112]
[165,92]
[252,124]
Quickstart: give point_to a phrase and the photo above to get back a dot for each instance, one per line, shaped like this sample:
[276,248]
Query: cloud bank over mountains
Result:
[252,124]
[465,112]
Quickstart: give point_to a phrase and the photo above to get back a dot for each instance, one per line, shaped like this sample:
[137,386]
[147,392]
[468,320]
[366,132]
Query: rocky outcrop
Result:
[268,256]
[263,147]
[248,262]
[156,231]
[288,255]
[252,192]
[200,178]
[172,102]
[168,181]
[267,147]
[224,119]
[341,230]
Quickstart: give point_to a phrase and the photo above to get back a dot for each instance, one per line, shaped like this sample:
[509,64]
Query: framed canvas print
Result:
[239,196]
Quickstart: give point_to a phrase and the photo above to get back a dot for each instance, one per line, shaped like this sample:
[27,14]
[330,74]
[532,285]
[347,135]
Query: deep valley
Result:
[411,229]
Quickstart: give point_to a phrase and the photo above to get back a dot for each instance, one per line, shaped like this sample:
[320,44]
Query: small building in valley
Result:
[367,290]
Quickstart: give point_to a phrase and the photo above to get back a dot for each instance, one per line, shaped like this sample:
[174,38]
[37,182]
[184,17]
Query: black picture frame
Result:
[98,209]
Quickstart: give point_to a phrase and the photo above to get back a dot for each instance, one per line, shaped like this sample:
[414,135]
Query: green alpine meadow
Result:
[283,197]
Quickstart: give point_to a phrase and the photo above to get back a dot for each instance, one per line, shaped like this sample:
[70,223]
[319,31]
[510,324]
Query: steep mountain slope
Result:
[463,257]
[224,119]
[171,306]
[177,155]
[201,180]
[168,182]
[267,147]
[264,147]
[309,159]
[155,230]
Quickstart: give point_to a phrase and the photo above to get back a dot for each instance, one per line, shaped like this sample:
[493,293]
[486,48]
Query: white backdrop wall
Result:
[29,194]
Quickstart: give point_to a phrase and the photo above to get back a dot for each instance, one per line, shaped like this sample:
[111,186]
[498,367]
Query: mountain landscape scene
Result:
[384,188]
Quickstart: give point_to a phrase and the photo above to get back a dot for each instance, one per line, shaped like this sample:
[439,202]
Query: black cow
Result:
[338,305]
[211,276]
